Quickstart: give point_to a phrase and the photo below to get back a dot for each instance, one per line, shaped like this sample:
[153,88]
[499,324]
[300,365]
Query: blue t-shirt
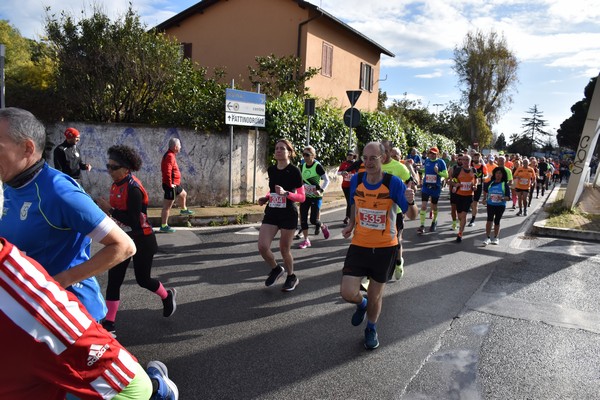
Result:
[49,219]
[496,191]
[432,182]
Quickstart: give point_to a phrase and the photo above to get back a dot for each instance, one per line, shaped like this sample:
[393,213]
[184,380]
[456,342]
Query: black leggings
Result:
[494,213]
[347,196]
[314,206]
[142,266]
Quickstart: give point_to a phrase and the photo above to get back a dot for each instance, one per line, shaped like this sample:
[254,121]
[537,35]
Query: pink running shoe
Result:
[325,231]
[304,244]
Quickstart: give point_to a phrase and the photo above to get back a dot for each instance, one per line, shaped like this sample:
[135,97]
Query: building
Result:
[231,33]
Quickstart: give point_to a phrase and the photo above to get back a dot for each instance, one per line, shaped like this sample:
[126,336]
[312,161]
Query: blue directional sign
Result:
[244,108]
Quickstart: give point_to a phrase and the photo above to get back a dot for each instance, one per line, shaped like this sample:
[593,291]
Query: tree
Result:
[487,69]
[110,71]
[569,133]
[519,144]
[533,128]
[500,142]
[279,75]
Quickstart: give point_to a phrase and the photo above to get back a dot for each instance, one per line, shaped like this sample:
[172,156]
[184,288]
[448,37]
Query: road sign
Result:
[353,96]
[352,117]
[244,108]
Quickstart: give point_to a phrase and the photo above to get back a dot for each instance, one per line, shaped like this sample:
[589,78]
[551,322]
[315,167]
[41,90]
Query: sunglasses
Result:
[306,154]
[112,167]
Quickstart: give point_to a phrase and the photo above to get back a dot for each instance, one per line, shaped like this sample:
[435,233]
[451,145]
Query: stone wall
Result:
[203,160]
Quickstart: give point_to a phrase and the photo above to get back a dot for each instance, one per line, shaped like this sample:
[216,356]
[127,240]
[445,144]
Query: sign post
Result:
[246,109]
[309,110]
[353,96]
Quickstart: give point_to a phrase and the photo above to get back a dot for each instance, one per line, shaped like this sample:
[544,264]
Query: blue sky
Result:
[557,43]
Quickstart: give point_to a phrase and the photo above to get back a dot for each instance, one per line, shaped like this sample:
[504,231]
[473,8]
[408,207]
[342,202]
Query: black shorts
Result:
[426,196]
[171,192]
[463,203]
[374,263]
[282,218]
[494,213]
[522,190]
[477,194]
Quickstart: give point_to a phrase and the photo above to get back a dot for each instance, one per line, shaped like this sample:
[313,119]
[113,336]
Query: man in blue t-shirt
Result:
[49,216]
[434,169]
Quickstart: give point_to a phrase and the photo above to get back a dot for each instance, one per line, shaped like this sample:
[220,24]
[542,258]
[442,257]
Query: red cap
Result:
[434,150]
[71,133]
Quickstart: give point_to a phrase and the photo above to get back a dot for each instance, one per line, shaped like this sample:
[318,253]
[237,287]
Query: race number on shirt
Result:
[523,181]
[348,177]
[466,186]
[277,200]
[372,219]
[430,178]
[310,190]
[496,198]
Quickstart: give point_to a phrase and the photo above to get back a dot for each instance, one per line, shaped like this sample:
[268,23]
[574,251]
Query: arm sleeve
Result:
[299,196]
[59,159]
[326,181]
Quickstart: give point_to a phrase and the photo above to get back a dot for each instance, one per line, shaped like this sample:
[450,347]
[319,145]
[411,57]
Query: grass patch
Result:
[560,216]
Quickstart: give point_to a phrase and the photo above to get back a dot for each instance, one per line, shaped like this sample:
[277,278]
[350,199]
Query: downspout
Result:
[300,25]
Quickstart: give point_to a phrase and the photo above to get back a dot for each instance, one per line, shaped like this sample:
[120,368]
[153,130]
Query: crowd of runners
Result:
[381,188]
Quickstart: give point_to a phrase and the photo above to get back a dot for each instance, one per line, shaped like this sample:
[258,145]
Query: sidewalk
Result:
[234,215]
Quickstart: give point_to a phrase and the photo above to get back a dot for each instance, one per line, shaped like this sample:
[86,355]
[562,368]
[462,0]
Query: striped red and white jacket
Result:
[50,345]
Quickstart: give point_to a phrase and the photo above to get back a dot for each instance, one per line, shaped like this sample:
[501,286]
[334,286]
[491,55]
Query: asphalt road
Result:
[516,321]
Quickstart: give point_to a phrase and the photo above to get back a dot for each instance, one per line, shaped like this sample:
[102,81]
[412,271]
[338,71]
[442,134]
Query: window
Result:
[185,51]
[366,77]
[327,59]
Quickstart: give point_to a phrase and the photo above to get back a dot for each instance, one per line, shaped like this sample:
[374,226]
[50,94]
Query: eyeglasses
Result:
[306,154]
[372,158]
[112,167]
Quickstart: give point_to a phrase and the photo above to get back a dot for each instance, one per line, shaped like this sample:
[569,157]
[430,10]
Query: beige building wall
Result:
[348,54]
[232,33]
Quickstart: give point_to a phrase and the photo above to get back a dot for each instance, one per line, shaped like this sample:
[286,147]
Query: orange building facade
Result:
[229,34]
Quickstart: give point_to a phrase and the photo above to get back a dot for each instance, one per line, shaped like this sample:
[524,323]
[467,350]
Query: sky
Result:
[557,44]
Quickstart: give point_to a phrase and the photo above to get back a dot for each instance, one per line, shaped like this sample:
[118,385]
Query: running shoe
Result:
[317,230]
[454,225]
[274,275]
[166,229]
[371,340]
[110,327]
[325,230]
[525,213]
[495,241]
[290,283]
[359,315]
[169,303]
[519,213]
[458,238]
[187,211]
[471,223]
[433,226]
[167,390]
[487,241]
[304,244]
[421,229]
[399,270]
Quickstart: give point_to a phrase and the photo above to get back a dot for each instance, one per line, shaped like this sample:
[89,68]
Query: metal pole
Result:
[308,132]
[255,154]
[231,158]
[350,131]
[2,51]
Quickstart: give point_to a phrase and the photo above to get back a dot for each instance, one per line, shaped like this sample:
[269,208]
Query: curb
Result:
[234,218]
[539,226]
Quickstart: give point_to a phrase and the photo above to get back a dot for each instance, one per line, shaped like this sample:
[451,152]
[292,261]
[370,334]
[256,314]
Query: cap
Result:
[434,150]
[350,152]
[71,133]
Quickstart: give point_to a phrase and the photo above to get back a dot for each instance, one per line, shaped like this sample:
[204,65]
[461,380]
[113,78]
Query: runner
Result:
[452,174]
[281,214]
[374,243]
[48,215]
[481,172]
[312,174]
[515,195]
[524,178]
[495,195]
[533,164]
[434,170]
[171,184]
[396,168]
[346,176]
[128,207]
[464,182]
[67,157]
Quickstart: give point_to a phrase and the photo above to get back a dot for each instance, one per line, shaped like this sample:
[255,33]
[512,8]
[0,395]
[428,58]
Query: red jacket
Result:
[170,169]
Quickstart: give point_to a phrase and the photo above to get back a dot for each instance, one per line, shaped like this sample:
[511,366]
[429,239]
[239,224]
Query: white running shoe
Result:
[487,241]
